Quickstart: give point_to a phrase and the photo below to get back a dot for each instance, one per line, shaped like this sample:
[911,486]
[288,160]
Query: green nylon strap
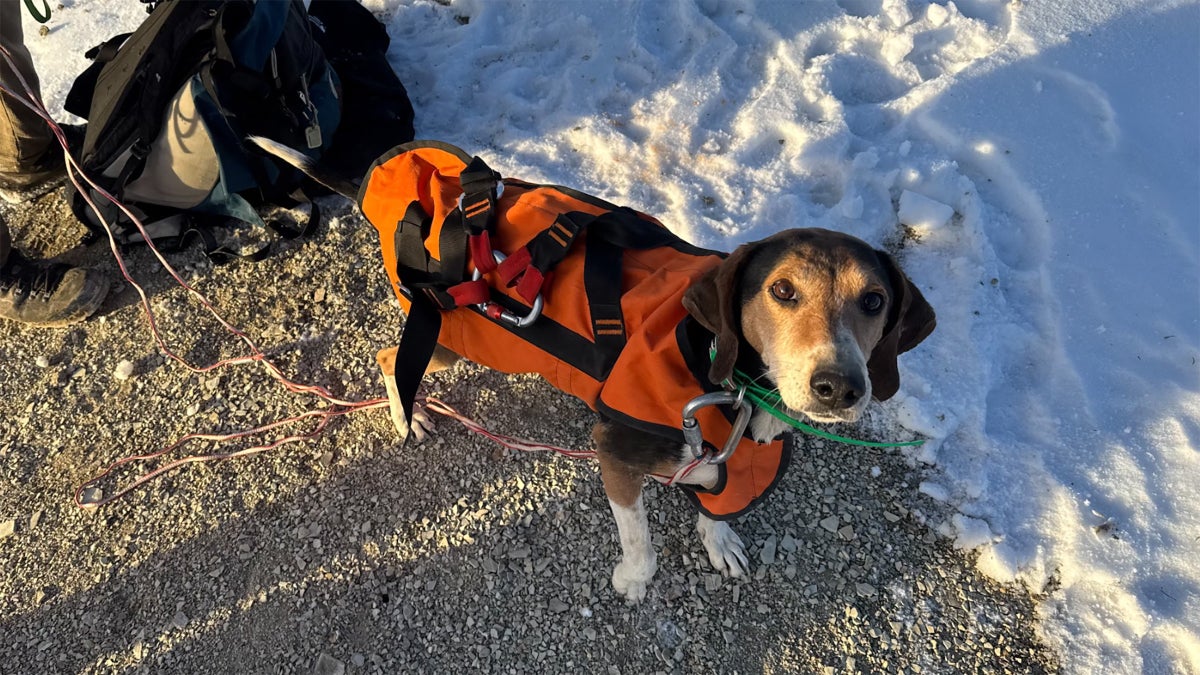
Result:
[771,401]
[40,17]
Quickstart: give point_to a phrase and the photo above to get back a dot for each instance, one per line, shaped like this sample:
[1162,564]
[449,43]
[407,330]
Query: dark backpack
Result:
[169,107]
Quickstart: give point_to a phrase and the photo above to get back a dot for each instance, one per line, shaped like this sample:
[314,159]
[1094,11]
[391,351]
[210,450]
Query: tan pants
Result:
[24,137]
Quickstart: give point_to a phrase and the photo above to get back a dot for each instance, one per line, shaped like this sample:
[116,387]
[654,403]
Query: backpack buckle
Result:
[496,312]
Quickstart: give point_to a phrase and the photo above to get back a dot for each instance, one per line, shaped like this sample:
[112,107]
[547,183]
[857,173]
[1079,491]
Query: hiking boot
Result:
[42,293]
[44,175]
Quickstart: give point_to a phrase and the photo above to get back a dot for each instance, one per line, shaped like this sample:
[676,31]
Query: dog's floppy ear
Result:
[910,320]
[712,300]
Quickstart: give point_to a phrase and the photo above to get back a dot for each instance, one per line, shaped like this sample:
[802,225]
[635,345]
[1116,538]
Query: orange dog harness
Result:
[586,294]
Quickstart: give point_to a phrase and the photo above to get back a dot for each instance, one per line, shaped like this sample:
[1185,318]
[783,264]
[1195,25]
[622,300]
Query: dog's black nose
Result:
[837,390]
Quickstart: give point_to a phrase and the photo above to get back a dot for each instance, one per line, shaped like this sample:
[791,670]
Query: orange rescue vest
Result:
[613,331]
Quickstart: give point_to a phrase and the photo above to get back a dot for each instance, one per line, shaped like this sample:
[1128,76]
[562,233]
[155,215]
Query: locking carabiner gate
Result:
[692,434]
[494,310]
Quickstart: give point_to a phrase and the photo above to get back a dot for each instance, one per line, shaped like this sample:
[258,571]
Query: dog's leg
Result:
[422,424]
[725,549]
[638,561]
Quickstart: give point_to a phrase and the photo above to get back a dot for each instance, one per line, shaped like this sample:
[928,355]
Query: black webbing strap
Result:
[602,284]
[476,212]
[623,228]
[542,253]
[107,50]
[430,283]
[452,244]
[307,229]
[416,349]
[527,267]
[609,235]
[216,252]
[479,195]
[550,246]
[413,263]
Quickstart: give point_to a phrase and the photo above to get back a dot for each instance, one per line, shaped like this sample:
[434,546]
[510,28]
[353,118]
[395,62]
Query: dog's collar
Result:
[770,402]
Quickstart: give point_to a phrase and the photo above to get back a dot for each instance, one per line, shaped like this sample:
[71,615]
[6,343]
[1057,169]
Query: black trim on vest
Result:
[661,430]
[785,462]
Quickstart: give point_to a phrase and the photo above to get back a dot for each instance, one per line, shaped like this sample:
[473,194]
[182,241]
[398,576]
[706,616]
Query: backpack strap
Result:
[218,254]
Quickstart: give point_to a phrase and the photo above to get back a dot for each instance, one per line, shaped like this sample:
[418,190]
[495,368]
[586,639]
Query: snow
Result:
[922,214]
[1046,159]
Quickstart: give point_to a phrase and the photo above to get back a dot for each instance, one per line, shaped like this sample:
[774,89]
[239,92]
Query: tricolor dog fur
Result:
[819,316]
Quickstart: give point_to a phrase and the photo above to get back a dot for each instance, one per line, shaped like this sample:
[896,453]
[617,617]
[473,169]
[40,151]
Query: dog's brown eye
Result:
[871,303]
[783,290]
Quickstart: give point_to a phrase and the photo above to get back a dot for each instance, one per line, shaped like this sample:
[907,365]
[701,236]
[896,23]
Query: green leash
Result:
[771,402]
[42,16]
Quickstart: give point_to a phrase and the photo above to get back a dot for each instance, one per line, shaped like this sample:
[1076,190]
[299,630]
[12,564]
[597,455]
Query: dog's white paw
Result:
[725,549]
[422,424]
[631,577]
[421,427]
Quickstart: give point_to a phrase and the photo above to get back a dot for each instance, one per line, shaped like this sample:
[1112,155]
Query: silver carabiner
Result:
[505,315]
[692,434]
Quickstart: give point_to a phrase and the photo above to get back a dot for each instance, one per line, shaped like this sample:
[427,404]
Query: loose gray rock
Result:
[767,555]
[124,370]
[327,665]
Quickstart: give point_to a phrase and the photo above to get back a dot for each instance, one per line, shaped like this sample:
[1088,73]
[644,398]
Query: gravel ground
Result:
[350,554]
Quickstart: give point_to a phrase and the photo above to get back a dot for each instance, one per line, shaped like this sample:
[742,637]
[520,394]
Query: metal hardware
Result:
[493,310]
[692,435]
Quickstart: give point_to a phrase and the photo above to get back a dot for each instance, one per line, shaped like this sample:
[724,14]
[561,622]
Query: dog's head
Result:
[826,313]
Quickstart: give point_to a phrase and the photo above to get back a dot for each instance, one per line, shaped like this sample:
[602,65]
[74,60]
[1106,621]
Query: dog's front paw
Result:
[421,427]
[422,424]
[631,577]
[725,549]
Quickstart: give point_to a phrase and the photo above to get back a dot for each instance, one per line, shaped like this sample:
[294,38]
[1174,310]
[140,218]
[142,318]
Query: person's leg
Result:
[25,140]
[33,292]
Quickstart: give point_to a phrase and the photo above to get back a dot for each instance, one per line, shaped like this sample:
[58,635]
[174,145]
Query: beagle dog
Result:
[818,316]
